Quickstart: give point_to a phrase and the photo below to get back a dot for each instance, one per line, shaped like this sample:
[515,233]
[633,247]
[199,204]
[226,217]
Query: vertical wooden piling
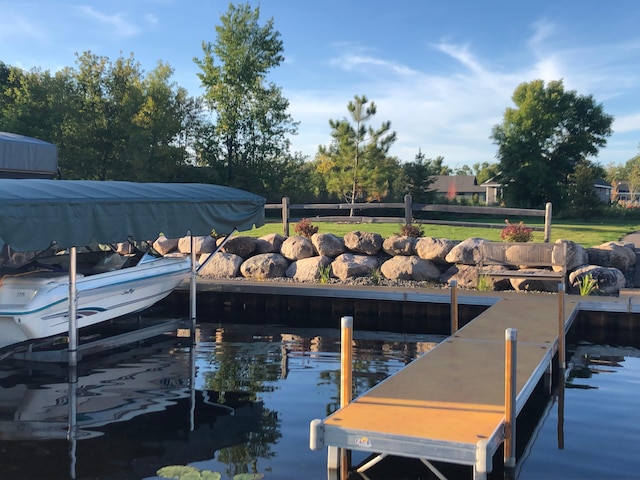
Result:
[547,222]
[285,216]
[454,306]
[510,365]
[346,383]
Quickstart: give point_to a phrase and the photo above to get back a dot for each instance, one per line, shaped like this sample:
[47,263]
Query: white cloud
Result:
[119,26]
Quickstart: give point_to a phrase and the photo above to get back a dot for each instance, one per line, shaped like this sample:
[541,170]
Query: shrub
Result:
[305,228]
[409,230]
[516,232]
[588,285]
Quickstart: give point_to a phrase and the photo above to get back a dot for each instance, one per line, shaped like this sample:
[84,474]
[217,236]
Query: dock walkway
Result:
[448,405]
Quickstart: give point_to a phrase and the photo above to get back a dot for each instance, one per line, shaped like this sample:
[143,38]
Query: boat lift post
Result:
[73,309]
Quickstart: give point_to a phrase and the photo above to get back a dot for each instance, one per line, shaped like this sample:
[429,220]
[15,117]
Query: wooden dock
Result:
[449,405]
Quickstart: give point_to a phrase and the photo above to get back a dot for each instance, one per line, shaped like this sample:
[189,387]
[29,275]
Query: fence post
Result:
[454,307]
[408,209]
[547,222]
[285,215]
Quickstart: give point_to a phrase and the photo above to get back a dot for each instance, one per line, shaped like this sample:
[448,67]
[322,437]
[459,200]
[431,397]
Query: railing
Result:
[409,209]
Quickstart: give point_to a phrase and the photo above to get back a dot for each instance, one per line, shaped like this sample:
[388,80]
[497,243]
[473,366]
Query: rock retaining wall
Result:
[425,259]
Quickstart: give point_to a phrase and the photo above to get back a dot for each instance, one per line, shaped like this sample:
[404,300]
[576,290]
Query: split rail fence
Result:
[409,208]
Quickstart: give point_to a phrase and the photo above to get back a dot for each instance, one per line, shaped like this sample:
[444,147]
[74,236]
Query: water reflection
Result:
[239,402]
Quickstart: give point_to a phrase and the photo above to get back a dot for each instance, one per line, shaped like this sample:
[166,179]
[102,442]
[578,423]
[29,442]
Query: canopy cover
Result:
[26,157]
[33,213]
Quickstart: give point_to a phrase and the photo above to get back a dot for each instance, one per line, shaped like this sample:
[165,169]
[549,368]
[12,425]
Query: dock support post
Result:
[510,368]
[73,309]
[561,349]
[346,383]
[483,461]
[192,286]
[547,222]
[454,306]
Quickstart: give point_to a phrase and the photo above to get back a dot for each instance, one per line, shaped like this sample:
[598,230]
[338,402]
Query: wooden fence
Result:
[409,208]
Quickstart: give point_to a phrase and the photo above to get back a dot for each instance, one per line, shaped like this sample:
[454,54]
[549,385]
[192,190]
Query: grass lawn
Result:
[585,234]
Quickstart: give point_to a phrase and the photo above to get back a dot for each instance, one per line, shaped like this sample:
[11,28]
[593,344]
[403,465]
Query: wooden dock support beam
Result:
[510,368]
[454,307]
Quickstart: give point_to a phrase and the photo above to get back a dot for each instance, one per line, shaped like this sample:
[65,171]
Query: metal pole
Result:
[73,309]
[346,383]
[561,348]
[547,222]
[510,366]
[454,306]
[192,286]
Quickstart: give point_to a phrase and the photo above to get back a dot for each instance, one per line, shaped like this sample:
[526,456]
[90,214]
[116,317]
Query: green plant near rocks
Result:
[324,274]
[484,284]
[588,285]
[376,276]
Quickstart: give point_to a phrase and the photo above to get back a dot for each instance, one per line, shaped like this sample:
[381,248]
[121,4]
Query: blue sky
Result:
[442,72]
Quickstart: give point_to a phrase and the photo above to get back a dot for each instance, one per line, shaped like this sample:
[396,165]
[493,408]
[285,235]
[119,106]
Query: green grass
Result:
[585,234]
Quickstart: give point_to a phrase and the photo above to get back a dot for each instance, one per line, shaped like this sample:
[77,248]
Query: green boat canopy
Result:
[26,157]
[35,212]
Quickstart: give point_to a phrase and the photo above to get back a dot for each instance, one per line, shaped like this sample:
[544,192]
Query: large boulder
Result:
[363,242]
[399,245]
[412,267]
[242,246]
[328,244]
[307,269]
[532,284]
[608,280]
[297,247]
[465,275]
[434,249]
[576,255]
[265,265]
[201,244]
[349,265]
[613,255]
[164,245]
[270,243]
[221,265]
[466,252]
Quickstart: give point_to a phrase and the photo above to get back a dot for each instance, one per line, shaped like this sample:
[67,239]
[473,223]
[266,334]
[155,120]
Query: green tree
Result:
[583,199]
[251,120]
[356,164]
[543,138]
[417,177]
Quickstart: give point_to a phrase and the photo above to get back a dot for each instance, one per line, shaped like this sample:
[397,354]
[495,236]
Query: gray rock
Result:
[296,248]
[576,255]
[201,244]
[307,269]
[399,245]
[222,265]
[242,246]
[465,275]
[612,254]
[434,249]
[363,242]
[609,280]
[328,244]
[412,267]
[466,252]
[265,265]
[270,243]
[532,284]
[349,265]
[164,245]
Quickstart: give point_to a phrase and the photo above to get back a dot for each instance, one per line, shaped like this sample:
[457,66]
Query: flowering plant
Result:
[516,232]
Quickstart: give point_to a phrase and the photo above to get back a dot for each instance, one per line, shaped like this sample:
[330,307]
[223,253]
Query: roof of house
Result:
[461,183]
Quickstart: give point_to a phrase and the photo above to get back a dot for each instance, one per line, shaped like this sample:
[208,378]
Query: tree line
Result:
[113,121]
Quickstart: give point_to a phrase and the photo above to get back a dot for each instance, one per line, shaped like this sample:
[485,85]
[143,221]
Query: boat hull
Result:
[36,306]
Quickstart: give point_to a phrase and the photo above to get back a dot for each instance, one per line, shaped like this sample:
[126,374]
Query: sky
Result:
[442,73]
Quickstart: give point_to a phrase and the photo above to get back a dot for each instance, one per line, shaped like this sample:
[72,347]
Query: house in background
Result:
[603,190]
[459,187]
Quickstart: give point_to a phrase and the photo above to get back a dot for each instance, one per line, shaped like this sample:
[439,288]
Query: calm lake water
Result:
[241,401]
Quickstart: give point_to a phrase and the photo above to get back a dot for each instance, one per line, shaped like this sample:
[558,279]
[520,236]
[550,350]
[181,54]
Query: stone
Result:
[265,265]
[296,248]
[576,255]
[412,267]
[612,254]
[307,269]
[434,249]
[328,244]
[270,243]
[242,246]
[465,275]
[495,283]
[466,252]
[164,245]
[399,245]
[201,244]
[222,265]
[532,284]
[363,242]
[349,265]
[609,280]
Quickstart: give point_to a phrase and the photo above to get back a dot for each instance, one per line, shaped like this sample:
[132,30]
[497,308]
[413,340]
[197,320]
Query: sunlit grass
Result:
[585,234]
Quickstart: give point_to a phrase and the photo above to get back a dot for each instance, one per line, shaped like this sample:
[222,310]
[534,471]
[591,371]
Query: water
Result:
[256,388]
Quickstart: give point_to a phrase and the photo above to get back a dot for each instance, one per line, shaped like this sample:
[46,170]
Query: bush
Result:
[516,232]
[304,228]
[409,230]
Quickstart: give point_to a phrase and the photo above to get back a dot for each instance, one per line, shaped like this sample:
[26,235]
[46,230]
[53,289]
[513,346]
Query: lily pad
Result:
[248,476]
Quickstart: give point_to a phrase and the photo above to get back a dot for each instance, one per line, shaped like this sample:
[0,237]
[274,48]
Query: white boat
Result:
[35,304]
[74,213]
